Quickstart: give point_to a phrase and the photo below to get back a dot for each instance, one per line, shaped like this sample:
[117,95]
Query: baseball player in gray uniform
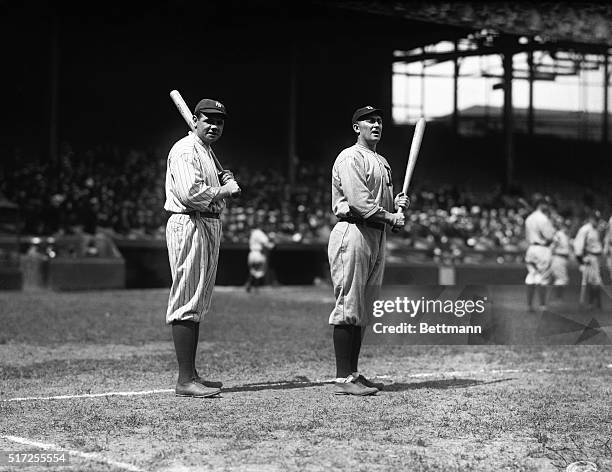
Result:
[539,232]
[257,259]
[588,250]
[195,199]
[362,200]
[608,248]
[560,257]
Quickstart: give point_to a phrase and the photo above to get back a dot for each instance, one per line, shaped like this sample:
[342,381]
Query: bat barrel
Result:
[414,152]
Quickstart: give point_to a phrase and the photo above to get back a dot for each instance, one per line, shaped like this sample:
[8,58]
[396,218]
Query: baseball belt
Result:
[202,214]
[369,224]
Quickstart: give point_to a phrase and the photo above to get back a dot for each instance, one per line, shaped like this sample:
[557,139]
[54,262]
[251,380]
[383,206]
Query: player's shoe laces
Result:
[368,383]
[208,383]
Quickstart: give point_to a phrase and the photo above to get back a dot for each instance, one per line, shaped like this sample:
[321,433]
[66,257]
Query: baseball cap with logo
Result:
[210,107]
[364,111]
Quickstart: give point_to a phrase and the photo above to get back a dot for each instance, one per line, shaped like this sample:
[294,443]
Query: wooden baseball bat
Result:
[412,158]
[414,152]
[415,146]
[188,117]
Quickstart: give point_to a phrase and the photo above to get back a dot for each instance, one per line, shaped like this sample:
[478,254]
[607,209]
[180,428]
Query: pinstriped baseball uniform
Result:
[192,239]
[361,187]
[587,244]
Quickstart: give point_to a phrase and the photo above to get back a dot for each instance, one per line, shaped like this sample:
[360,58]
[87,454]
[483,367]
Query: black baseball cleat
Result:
[195,390]
[208,383]
[367,383]
[354,388]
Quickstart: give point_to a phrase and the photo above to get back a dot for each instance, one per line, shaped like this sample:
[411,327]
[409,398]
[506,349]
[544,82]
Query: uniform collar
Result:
[199,141]
[366,148]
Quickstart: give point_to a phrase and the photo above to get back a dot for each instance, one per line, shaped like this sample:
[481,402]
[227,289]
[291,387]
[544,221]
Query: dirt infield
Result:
[453,408]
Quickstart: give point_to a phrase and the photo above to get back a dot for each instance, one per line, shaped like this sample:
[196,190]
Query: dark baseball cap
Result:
[364,111]
[210,107]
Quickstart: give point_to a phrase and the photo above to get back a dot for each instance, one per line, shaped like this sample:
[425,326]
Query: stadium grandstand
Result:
[91,171]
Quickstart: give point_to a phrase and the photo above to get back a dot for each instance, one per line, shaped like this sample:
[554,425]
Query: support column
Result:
[606,85]
[456,92]
[508,118]
[423,84]
[54,81]
[531,81]
[292,142]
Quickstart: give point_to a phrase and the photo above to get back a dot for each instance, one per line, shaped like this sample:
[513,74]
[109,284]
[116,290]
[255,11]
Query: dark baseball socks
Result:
[343,347]
[347,345]
[594,294]
[542,296]
[195,349]
[357,337]
[185,337]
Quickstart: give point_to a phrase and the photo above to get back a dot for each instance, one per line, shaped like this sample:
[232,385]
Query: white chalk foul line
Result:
[85,455]
[91,395]
[452,373]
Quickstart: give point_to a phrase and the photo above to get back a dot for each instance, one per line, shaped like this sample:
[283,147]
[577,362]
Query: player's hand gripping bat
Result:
[412,157]
[187,116]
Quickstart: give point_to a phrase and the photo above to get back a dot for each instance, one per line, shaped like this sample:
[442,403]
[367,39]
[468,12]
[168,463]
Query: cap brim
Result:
[212,112]
[368,113]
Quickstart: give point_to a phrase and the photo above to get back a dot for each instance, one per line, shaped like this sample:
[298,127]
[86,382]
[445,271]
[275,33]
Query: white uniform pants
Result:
[193,252]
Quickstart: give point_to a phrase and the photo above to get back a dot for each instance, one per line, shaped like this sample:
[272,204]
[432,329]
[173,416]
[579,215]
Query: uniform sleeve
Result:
[547,230]
[360,199]
[579,241]
[607,241]
[266,241]
[190,187]
[556,241]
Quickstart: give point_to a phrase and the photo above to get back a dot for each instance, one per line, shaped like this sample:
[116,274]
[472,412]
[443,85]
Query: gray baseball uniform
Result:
[587,244]
[361,187]
[560,258]
[539,232]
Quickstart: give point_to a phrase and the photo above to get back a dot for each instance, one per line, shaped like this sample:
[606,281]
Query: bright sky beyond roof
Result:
[427,90]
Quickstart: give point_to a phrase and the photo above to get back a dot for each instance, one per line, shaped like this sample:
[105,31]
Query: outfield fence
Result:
[66,264]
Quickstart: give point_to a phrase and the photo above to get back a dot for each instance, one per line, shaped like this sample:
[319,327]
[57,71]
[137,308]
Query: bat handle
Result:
[399,211]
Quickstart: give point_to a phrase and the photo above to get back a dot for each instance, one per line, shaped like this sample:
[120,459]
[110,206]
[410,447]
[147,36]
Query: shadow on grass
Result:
[440,384]
[297,382]
[304,382]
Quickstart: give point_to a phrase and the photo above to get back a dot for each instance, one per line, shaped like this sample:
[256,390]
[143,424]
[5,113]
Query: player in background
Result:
[588,250]
[561,252]
[539,233]
[607,249]
[259,246]
[362,200]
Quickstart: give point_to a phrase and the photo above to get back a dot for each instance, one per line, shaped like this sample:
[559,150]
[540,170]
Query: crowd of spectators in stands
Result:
[122,194]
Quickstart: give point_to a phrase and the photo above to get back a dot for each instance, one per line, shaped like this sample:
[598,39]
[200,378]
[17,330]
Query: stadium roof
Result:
[587,23]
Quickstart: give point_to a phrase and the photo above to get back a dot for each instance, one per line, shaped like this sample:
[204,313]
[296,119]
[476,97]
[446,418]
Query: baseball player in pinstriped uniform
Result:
[588,250]
[539,232]
[195,199]
[362,199]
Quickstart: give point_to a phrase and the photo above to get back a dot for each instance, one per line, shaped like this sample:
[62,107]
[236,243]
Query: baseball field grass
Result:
[93,373]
